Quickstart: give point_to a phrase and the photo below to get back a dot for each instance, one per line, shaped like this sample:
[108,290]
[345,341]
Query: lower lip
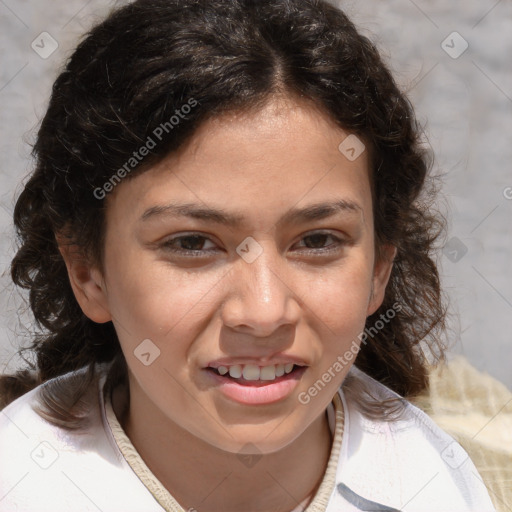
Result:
[258,392]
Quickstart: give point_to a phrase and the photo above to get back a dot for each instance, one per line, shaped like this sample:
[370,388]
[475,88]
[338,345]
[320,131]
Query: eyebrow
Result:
[310,213]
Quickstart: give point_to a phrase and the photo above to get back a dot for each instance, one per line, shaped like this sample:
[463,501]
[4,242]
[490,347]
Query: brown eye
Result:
[188,245]
[192,243]
[318,243]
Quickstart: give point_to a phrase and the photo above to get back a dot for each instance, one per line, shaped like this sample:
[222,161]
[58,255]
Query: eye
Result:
[188,245]
[315,243]
[196,245]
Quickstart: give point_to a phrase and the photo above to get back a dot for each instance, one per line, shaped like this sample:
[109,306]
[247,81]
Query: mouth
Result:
[253,375]
[251,384]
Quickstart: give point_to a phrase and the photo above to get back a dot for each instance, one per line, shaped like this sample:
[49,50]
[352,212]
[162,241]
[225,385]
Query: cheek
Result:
[340,298]
[150,299]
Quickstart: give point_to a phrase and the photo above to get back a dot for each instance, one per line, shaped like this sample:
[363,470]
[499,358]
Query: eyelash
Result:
[198,253]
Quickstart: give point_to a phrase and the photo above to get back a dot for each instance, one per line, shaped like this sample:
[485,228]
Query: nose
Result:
[261,297]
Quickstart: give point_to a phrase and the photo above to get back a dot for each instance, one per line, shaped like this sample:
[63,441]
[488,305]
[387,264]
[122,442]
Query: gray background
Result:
[465,104]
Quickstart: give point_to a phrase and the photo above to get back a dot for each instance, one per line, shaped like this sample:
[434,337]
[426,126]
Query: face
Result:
[250,251]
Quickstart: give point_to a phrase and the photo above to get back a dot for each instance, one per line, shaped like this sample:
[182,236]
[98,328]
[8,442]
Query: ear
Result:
[86,281]
[381,272]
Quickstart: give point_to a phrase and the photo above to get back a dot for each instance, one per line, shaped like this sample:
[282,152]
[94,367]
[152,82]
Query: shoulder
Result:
[408,461]
[46,467]
[21,426]
[21,419]
[38,457]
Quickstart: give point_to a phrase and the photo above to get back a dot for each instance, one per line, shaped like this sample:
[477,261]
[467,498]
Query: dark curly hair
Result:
[132,72]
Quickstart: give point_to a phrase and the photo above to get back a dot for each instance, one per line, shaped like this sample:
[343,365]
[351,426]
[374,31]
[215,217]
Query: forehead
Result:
[260,162]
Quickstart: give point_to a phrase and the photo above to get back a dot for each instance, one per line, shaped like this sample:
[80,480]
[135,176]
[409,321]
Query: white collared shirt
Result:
[408,465]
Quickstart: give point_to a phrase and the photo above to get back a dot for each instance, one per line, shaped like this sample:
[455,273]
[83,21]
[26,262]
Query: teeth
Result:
[222,370]
[251,372]
[235,371]
[268,373]
[254,372]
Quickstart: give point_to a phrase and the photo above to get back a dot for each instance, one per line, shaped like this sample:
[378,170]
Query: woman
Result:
[227,243]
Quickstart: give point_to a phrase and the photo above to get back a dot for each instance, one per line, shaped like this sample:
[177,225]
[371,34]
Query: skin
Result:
[198,309]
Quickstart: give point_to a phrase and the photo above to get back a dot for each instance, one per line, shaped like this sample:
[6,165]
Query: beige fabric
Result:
[168,503]
[319,503]
[476,410]
[138,465]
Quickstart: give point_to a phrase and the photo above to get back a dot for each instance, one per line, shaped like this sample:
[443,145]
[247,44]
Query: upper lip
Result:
[258,361]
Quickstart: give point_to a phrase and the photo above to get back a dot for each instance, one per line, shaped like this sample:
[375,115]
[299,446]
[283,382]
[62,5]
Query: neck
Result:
[203,477]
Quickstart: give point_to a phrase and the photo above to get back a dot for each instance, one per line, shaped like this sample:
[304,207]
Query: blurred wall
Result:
[453,58]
